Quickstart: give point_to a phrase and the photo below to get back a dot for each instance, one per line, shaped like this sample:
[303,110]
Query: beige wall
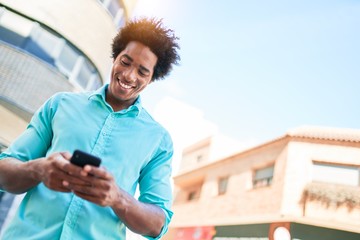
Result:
[11,126]
[190,161]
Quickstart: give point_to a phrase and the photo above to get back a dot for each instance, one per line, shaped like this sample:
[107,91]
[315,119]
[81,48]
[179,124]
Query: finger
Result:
[83,180]
[97,172]
[57,186]
[87,190]
[97,187]
[71,176]
[93,199]
[76,171]
[75,180]
[75,184]
[62,189]
[72,169]
[54,182]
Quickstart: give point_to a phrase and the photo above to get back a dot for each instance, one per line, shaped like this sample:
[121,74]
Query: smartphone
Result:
[81,159]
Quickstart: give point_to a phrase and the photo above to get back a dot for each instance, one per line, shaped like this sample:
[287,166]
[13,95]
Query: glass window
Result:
[193,192]
[113,7]
[45,39]
[199,158]
[263,177]
[67,59]
[14,29]
[95,82]
[116,10]
[84,75]
[192,195]
[119,20]
[331,173]
[16,23]
[222,186]
[43,44]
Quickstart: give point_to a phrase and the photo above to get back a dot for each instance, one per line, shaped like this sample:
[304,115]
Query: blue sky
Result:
[258,68]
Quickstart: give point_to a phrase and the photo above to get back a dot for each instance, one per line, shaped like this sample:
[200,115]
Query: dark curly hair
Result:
[150,32]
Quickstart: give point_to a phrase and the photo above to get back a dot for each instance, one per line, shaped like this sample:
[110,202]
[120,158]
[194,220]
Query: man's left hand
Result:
[100,187]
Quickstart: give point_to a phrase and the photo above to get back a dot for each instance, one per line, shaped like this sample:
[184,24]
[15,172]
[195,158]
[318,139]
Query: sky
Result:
[255,69]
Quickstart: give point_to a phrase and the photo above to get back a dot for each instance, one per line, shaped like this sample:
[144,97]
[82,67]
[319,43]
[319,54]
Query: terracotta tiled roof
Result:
[328,133]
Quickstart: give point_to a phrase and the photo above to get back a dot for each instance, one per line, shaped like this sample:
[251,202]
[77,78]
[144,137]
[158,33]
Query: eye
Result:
[142,73]
[124,62]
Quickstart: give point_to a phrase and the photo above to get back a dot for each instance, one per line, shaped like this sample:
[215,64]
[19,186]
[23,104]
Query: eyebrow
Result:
[142,67]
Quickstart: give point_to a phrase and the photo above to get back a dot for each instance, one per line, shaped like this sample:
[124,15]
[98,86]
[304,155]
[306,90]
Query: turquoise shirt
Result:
[133,147]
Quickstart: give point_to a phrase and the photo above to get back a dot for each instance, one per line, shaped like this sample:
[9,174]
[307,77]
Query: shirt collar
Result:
[99,95]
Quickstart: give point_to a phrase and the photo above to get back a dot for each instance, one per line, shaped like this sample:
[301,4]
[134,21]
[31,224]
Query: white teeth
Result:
[124,85]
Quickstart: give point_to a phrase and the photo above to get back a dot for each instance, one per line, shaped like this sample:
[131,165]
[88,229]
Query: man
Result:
[64,201]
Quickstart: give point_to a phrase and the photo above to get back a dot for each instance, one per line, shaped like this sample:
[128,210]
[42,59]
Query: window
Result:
[14,29]
[116,10]
[192,196]
[42,44]
[67,59]
[94,83]
[86,73]
[263,177]
[193,192]
[113,7]
[333,173]
[222,185]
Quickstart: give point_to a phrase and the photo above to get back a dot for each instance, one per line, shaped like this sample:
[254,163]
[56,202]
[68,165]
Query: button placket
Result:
[104,134]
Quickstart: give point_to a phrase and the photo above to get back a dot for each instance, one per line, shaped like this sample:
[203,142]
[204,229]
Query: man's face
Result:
[132,71]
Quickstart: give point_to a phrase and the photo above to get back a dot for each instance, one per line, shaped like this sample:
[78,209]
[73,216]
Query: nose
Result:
[130,75]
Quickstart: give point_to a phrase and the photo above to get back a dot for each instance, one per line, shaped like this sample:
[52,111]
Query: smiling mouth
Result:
[124,85]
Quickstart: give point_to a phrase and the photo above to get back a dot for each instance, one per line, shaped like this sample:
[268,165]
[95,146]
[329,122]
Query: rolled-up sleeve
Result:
[154,182]
[36,139]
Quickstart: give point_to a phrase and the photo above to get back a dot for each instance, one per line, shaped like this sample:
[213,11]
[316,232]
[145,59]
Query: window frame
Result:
[267,181]
[334,180]
[223,183]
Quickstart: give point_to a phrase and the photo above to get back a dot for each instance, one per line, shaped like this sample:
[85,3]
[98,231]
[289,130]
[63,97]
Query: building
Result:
[52,46]
[304,185]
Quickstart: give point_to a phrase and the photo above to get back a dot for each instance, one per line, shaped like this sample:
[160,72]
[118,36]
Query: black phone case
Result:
[81,159]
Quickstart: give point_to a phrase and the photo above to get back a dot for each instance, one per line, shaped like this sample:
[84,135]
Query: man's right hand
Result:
[52,171]
[56,169]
